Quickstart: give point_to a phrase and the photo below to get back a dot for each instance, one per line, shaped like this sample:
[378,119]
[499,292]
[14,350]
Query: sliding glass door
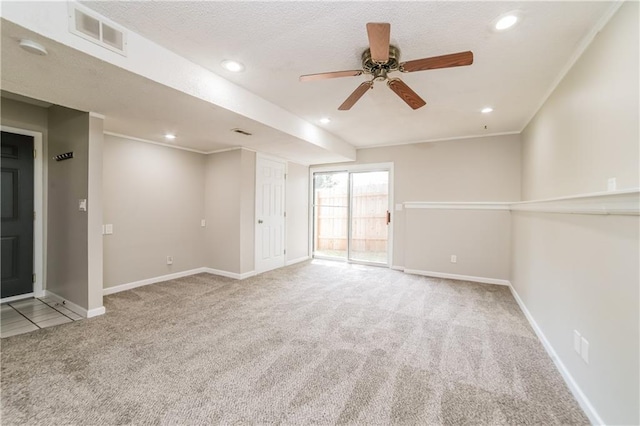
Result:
[351,216]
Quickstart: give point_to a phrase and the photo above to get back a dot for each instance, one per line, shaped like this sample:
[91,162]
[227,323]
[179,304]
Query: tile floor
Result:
[32,314]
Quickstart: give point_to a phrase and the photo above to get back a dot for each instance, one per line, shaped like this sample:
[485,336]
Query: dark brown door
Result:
[17,214]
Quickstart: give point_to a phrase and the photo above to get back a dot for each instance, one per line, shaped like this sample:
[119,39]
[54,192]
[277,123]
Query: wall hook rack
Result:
[65,156]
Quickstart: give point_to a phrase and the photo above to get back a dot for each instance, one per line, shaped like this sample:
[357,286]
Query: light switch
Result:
[82,205]
[108,229]
[203,223]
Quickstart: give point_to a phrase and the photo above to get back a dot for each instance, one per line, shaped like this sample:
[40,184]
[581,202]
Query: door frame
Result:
[256,247]
[371,167]
[38,207]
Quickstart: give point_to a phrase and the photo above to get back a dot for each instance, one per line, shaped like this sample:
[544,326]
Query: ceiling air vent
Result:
[242,132]
[93,27]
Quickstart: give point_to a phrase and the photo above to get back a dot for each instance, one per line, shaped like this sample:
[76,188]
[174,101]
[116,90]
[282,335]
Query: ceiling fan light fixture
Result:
[506,21]
[486,110]
[232,66]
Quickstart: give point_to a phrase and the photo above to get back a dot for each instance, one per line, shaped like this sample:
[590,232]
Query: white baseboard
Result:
[168,277]
[298,260]
[247,275]
[582,399]
[234,275]
[397,268]
[75,308]
[459,277]
[135,284]
[96,312]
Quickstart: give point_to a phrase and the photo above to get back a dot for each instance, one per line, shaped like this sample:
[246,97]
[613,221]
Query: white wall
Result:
[580,272]
[154,197]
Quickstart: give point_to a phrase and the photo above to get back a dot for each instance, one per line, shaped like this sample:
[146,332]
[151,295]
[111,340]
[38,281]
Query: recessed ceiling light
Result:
[232,66]
[33,47]
[170,136]
[325,120]
[506,22]
[486,110]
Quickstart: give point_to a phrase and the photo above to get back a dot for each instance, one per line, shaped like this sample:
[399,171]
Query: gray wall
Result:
[480,239]
[587,131]
[73,254]
[297,211]
[24,116]
[469,170]
[95,256]
[580,272]
[67,260]
[247,210]
[222,196]
[154,198]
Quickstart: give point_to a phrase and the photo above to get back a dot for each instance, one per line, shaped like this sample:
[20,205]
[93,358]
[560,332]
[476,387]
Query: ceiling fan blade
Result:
[444,61]
[355,96]
[409,96]
[379,34]
[327,75]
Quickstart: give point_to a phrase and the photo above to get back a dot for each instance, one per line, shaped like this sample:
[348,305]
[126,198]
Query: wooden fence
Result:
[368,224]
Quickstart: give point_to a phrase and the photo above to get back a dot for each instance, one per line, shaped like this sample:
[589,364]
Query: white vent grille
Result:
[91,26]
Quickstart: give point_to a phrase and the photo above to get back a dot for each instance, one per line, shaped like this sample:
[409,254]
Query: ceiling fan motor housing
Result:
[380,70]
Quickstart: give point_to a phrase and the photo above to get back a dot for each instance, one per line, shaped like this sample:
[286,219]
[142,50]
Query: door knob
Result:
[259,220]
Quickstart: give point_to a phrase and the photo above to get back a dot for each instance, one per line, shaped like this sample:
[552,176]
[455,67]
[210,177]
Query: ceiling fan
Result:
[382,58]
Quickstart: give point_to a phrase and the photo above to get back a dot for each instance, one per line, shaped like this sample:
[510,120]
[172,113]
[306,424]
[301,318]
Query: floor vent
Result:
[94,28]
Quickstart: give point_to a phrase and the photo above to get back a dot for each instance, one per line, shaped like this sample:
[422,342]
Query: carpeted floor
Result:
[317,342]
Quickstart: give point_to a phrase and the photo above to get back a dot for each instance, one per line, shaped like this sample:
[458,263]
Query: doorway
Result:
[22,215]
[352,214]
[270,213]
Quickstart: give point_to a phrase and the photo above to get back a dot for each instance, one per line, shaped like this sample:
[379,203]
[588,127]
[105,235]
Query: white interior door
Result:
[270,215]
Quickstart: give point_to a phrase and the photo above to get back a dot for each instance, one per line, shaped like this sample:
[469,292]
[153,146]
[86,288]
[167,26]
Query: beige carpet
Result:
[317,342]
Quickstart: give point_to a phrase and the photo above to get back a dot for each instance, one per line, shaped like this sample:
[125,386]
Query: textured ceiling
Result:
[278,41]
[513,71]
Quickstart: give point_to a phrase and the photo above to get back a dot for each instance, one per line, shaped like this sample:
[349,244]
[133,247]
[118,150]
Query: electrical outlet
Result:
[577,341]
[169,260]
[611,184]
[108,229]
[454,258]
[203,223]
[584,350]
